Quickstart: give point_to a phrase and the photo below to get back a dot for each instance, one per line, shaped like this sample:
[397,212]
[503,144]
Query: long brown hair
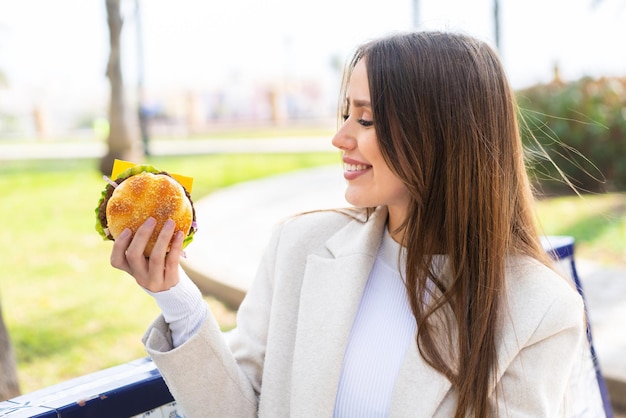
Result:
[446,121]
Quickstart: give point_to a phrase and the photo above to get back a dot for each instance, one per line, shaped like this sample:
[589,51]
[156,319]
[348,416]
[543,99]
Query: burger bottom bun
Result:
[147,195]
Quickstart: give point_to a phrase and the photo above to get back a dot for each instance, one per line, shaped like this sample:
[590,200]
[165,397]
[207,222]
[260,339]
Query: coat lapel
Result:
[331,293]
[420,389]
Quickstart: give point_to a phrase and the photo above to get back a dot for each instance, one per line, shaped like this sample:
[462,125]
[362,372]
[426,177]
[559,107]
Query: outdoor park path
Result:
[18,150]
[235,223]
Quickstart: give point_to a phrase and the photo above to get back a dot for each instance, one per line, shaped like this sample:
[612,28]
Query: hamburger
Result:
[138,193]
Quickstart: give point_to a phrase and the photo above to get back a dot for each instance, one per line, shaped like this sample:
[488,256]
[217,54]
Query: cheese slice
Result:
[119,166]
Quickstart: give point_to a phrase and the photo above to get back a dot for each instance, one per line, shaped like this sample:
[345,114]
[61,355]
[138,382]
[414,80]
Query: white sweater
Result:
[383,329]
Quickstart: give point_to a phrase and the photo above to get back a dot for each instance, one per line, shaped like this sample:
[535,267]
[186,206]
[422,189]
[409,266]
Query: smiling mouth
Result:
[356,167]
[354,171]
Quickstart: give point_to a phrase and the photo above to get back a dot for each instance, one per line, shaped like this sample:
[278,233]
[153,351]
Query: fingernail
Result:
[169,224]
[125,233]
[151,221]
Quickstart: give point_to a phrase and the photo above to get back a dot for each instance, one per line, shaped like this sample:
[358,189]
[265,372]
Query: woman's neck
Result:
[394,223]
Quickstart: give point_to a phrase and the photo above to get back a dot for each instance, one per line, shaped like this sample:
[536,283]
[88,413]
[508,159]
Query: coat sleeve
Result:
[215,374]
[537,375]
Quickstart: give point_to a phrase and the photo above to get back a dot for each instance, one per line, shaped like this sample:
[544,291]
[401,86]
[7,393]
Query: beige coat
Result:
[285,357]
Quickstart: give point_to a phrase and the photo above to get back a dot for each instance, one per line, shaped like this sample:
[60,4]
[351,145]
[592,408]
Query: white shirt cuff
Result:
[183,308]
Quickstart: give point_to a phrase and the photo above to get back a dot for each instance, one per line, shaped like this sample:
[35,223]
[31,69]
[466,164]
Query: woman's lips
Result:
[353,168]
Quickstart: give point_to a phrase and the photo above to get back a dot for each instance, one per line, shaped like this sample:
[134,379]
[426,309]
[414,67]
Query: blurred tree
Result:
[496,23]
[9,386]
[574,134]
[121,142]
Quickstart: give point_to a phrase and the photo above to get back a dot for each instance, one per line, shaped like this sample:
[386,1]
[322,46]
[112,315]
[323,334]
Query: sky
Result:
[51,49]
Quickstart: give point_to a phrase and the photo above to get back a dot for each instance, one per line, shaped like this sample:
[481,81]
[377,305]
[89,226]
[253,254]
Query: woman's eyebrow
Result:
[361,103]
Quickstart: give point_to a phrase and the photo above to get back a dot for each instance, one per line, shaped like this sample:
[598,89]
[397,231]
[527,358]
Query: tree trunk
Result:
[496,24]
[122,144]
[9,386]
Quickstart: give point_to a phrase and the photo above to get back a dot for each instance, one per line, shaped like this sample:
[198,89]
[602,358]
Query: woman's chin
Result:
[358,199]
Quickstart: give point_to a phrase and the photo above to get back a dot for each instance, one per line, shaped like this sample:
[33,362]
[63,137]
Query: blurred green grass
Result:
[67,310]
[596,221]
[70,313]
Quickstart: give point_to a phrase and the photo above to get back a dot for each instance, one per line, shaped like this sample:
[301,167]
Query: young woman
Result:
[432,297]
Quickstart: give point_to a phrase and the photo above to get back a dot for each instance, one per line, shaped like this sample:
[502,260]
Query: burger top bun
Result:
[147,195]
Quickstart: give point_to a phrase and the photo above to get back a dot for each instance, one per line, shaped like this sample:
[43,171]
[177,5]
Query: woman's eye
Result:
[363,122]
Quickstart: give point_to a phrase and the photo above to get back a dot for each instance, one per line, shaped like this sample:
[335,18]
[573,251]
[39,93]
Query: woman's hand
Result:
[160,271]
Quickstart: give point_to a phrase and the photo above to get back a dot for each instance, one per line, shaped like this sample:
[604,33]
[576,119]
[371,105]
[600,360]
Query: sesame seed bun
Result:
[129,201]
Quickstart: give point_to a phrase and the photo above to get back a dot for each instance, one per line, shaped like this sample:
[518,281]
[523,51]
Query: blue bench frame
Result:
[137,388]
[127,390]
[562,248]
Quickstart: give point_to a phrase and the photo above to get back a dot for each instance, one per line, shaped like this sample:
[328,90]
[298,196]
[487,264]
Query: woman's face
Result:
[370,181]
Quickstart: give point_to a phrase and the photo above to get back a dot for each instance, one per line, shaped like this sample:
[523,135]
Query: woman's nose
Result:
[342,139]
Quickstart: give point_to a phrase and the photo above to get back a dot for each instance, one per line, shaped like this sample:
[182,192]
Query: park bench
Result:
[128,390]
[136,389]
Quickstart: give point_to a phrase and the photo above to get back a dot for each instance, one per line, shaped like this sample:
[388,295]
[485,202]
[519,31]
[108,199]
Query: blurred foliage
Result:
[581,126]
